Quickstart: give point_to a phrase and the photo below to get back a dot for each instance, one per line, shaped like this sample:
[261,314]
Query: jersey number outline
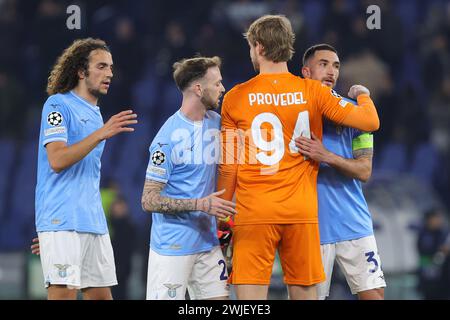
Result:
[276,145]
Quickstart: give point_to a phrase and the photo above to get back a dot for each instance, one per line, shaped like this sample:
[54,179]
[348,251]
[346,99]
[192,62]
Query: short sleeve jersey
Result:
[69,200]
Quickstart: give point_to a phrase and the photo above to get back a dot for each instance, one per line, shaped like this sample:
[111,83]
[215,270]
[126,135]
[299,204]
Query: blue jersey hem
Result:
[156,179]
[348,238]
[72,229]
[47,141]
[182,253]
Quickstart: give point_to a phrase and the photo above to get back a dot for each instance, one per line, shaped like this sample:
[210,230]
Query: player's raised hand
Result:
[312,148]
[356,90]
[118,123]
[216,206]
[35,248]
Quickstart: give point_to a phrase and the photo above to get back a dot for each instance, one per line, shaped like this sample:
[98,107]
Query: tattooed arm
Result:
[152,201]
[358,168]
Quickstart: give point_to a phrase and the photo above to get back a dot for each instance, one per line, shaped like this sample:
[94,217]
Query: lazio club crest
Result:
[172,289]
[62,269]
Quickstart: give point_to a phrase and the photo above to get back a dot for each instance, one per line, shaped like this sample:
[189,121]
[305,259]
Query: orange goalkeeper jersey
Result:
[260,120]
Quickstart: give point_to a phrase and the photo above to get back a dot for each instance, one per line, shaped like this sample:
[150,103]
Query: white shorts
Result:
[358,260]
[77,260]
[203,274]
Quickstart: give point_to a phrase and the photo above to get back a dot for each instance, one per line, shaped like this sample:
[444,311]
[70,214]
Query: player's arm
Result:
[360,167]
[61,156]
[364,116]
[153,201]
[227,173]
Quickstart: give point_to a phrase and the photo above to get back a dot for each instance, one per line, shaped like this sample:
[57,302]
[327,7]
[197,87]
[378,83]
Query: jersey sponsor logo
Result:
[172,289]
[157,171]
[54,118]
[158,158]
[84,120]
[57,130]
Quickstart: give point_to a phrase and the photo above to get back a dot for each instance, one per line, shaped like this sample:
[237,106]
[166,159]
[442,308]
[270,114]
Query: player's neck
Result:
[84,93]
[273,67]
[193,111]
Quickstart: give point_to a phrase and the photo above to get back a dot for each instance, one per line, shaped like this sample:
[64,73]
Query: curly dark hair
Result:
[64,75]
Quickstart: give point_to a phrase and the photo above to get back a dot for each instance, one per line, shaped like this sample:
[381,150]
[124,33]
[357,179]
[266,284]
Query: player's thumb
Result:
[218,193]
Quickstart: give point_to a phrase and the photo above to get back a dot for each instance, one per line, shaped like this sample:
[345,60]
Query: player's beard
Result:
[93,90]
[209,102]
[332,85]
[96,92]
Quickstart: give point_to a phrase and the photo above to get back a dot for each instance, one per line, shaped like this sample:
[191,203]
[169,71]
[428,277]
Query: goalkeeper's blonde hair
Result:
[274,33]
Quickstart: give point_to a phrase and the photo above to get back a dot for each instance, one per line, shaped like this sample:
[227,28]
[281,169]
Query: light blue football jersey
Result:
[69,200]
[343,210]
[184,155]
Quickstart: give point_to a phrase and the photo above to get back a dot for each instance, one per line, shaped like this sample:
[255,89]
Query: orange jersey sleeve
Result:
[363,117]
[229,159]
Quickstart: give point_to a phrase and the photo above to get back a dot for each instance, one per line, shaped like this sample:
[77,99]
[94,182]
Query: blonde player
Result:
[276,193]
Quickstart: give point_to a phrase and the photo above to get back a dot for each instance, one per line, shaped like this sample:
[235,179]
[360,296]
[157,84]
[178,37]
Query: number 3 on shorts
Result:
[371,258]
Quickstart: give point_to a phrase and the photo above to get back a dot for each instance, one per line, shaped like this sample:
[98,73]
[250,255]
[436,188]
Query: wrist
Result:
[199,204]
[98,135]
[361,94]
[196,205]
[331,158]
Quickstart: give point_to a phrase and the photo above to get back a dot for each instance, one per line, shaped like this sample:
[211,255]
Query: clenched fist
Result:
[356,90]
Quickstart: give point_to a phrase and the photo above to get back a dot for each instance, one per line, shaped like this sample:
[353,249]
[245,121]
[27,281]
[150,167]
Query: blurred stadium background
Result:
[406,65]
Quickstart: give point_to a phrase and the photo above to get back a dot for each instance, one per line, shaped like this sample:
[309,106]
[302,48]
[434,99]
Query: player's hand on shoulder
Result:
[35,248]
[118,123]
[216,206]
[356,90]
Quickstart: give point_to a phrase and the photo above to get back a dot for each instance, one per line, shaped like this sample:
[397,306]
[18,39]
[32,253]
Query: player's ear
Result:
[259,48]
[306,72]
[81,74]
[197,88]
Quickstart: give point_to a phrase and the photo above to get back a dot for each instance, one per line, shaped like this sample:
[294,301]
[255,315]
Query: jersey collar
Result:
[95,108]
[186,119]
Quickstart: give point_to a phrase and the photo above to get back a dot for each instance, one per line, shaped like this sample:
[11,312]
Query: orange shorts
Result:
[298,247]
